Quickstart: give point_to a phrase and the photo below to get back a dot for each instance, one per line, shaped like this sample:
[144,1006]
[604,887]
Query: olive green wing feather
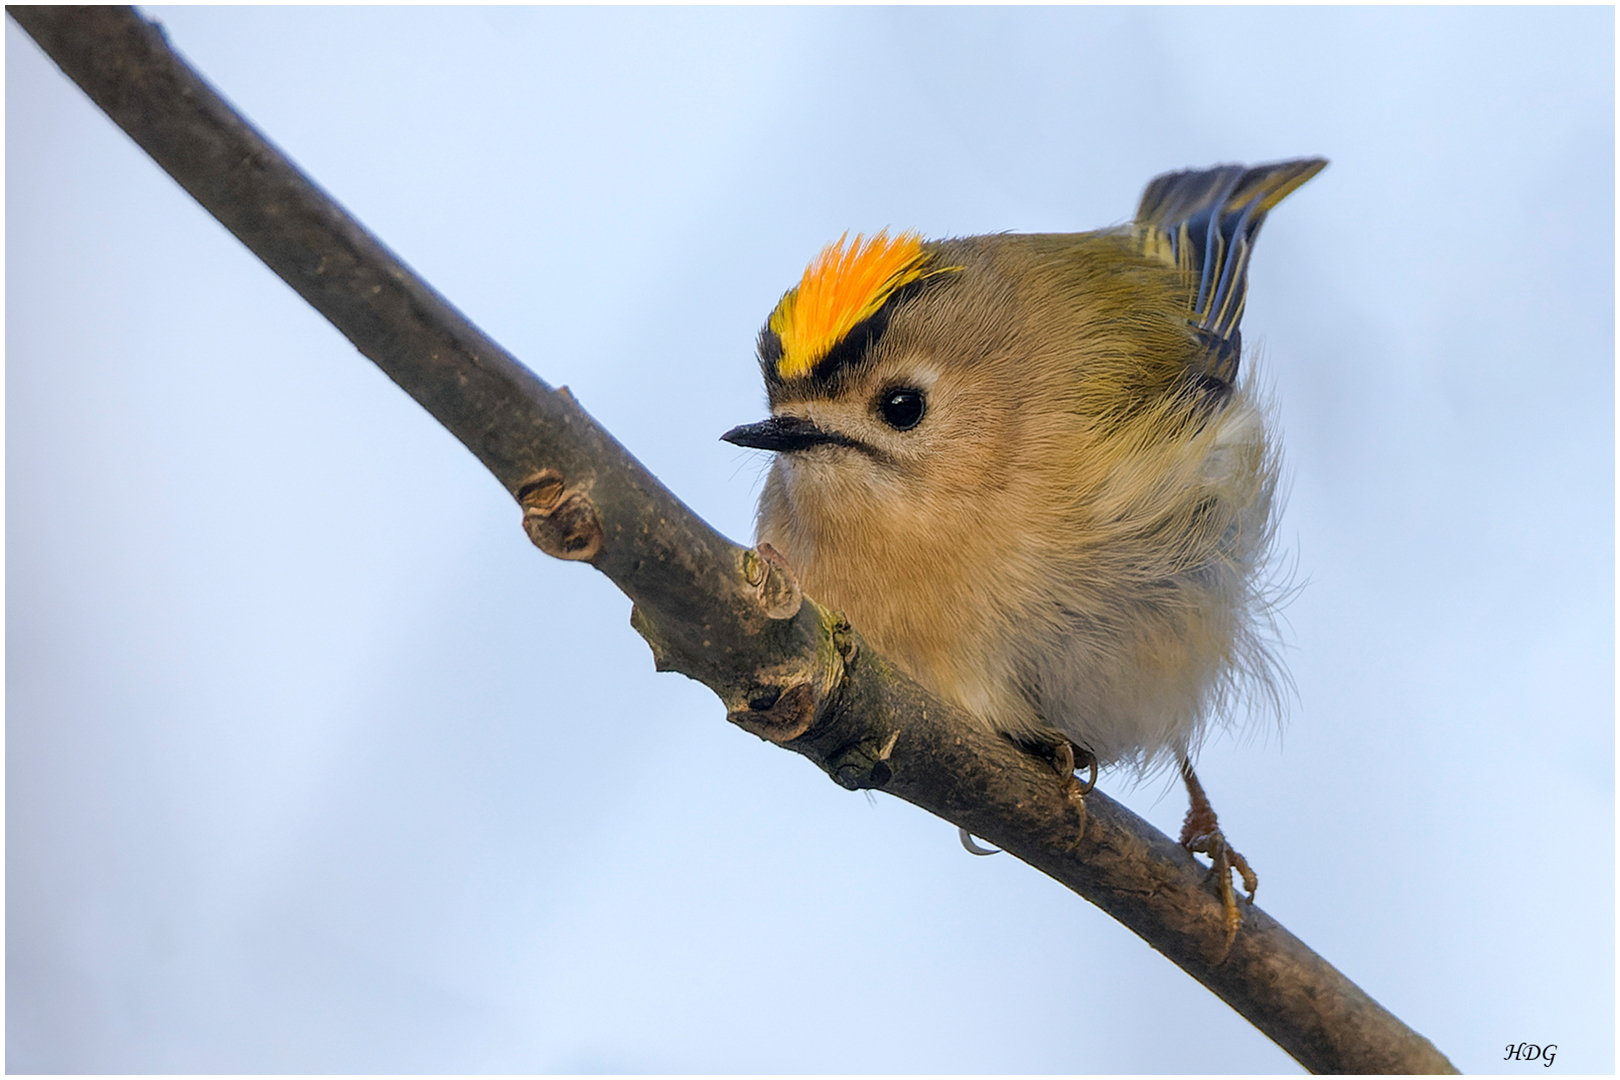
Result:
[1204,222]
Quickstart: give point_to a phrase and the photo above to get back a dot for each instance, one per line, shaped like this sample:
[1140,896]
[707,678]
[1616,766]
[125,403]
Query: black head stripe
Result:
[864,335]
[770,347]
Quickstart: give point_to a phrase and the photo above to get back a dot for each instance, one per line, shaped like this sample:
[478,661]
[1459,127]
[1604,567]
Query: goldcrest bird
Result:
[1026,469]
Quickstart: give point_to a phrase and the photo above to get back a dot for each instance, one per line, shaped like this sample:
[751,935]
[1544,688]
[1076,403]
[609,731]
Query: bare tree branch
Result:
[787,669]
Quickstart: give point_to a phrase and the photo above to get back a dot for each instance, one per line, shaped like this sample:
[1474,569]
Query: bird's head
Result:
[875,366]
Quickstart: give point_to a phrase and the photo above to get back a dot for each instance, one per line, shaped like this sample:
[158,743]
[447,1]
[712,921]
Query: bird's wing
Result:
[1204,221]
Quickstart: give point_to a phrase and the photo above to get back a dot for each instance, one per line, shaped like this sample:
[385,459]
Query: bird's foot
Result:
[1065,756]
[1201,834]
[1068,756]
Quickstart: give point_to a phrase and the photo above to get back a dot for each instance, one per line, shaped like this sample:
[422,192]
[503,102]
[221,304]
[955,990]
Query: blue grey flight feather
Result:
[1205,221]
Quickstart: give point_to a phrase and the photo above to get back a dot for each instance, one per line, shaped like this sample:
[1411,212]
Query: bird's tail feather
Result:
[1205,222]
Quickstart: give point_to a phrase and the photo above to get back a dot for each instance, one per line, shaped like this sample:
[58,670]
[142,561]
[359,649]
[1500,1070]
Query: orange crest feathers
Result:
[847,283]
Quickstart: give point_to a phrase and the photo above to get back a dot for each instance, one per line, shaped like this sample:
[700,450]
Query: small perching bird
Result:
[1026,469]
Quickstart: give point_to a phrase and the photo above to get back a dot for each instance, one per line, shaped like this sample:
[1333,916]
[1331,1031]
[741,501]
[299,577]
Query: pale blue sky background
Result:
[313,763]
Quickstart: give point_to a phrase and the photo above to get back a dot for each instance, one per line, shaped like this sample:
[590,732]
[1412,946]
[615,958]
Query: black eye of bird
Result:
[902,409]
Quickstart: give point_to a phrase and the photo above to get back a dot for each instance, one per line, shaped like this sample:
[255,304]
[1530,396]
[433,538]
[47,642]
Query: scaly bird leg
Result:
[1201,832]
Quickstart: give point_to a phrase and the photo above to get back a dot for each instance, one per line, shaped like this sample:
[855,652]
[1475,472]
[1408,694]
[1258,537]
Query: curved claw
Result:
[1085,759]
[972,846]
[1068,756]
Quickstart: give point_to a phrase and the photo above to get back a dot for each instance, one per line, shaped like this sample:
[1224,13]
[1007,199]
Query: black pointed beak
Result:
[784,433]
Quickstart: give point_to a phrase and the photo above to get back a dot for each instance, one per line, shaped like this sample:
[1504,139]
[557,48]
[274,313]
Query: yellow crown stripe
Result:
[845,284]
